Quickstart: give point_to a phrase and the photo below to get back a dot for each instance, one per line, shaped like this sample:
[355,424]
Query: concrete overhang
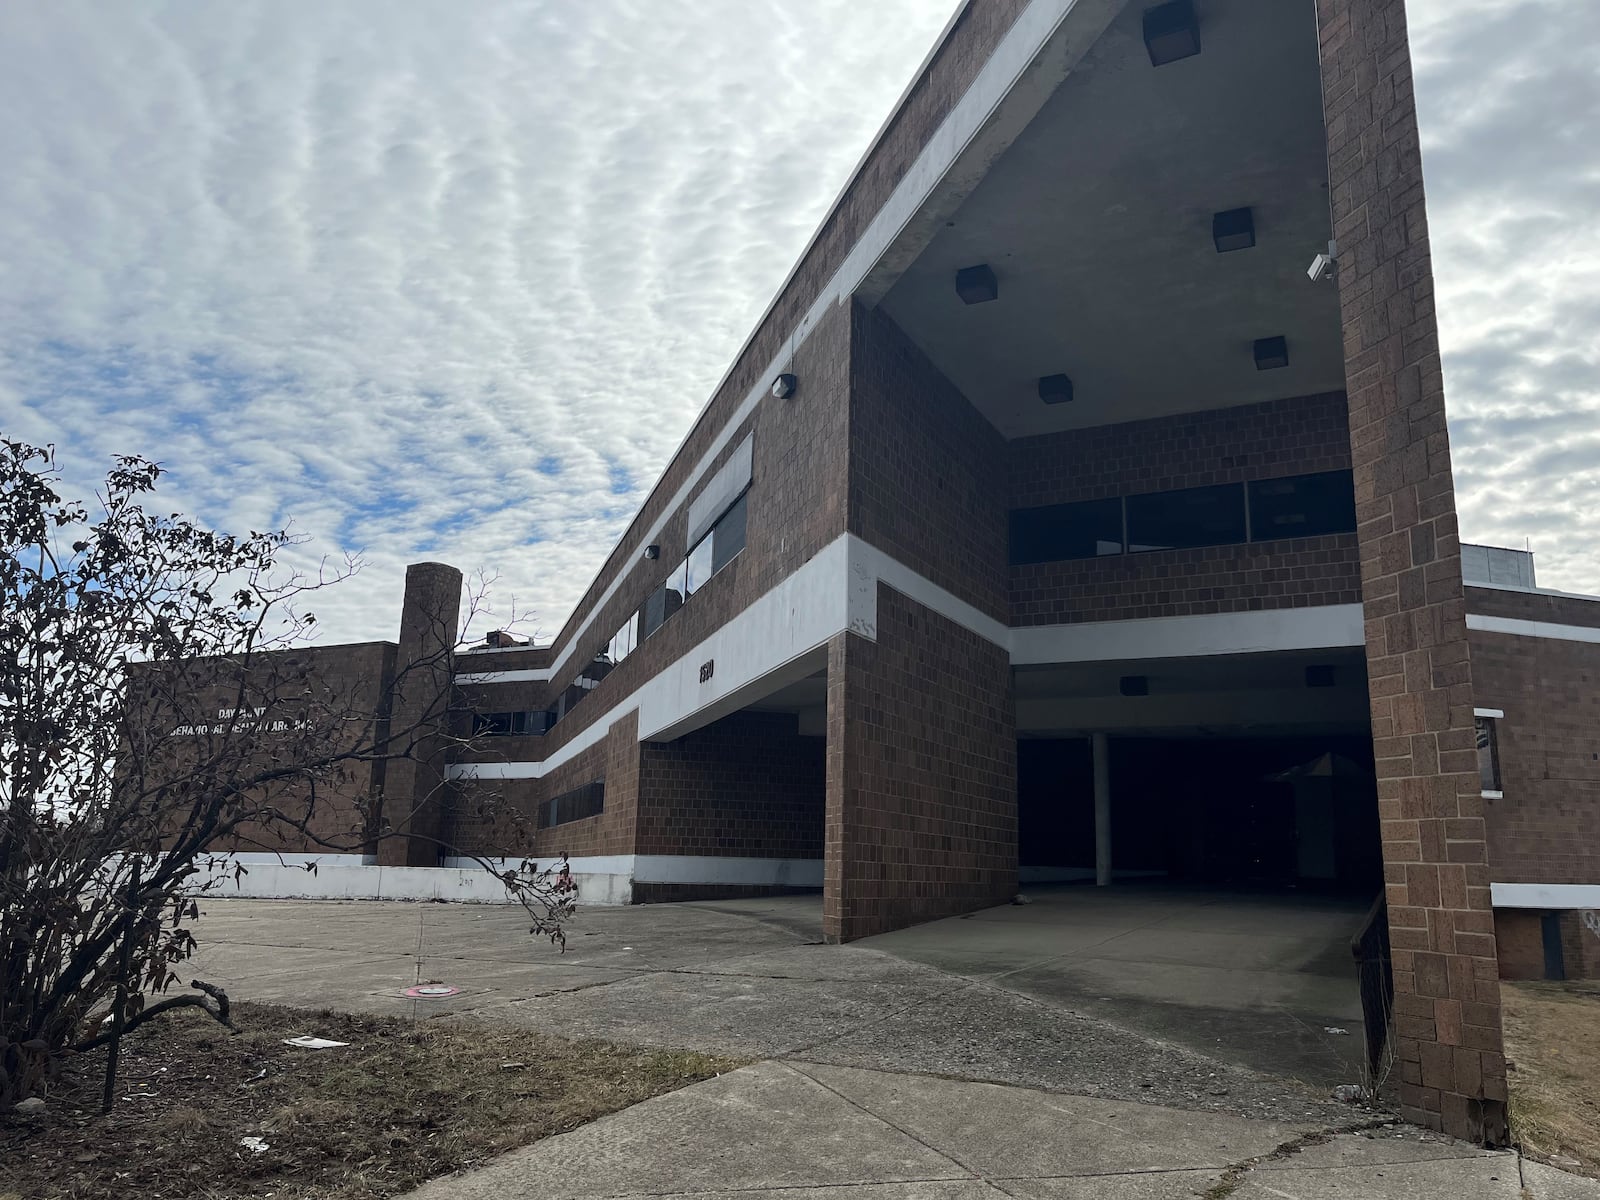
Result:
[1091,192]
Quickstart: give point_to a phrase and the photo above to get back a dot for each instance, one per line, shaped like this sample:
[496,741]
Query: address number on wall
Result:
[707,670]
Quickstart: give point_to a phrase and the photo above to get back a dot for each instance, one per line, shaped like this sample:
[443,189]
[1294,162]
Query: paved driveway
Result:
[1256,978]
[1011,994]
[956,1061]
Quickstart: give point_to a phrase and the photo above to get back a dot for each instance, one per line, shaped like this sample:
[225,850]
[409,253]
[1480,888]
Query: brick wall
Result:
[1546,828]
[1297,436]
[922,773]
[349,679]
[1580,947]
[415,796]
[496,817]
[1555,608]
[796,507]
[1452,1069]
[745,786]
[1519,939]
[927,470]
[930,99]
[1519,933]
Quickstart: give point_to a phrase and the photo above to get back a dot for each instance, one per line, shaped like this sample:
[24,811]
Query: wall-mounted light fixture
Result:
[784,386]
[652,552]
[1233,230]
[1055,389]
[977,285]
[1272,353]
[1171,32]
[1325,266]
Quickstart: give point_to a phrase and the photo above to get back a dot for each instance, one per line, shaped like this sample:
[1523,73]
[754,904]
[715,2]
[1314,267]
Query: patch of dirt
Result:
[403,1103]
[1553,1038]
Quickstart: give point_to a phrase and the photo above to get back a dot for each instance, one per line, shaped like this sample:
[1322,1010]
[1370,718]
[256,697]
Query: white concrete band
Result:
[1535,629]
[1545,895]
[1327,627]
[782,637]
[531,676]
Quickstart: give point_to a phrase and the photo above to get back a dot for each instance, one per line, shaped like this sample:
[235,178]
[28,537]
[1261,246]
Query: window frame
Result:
[1486,737]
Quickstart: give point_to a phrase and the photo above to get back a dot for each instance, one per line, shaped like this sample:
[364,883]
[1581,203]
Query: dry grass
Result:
[1553,1038]
[403,1103]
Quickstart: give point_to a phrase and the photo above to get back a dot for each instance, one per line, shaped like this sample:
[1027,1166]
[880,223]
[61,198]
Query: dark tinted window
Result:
[1205,516]
[1302,506]
[1060,531]
[663,602]
[587,801]
[727,535]
[508,724]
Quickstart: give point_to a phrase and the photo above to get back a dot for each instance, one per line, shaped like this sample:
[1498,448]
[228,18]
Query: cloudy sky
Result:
[450,280]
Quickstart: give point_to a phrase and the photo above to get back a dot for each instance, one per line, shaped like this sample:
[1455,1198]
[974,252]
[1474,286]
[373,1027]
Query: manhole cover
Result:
[432,991]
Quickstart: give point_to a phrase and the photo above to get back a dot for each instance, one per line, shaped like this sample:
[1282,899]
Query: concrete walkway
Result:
[903,1067]
[809,1132]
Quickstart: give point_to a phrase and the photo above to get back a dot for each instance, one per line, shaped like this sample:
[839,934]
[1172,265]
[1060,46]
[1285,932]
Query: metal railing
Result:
[1370,948]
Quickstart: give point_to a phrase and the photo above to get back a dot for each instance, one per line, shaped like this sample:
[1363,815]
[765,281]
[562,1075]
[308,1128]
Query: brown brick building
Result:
[1055,522]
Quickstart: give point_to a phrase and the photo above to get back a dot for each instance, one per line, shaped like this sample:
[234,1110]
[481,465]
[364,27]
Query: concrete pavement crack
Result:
[1234,1176]
[972,1173]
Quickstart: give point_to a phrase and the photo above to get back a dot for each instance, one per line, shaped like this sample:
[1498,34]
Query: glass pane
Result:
[728,534]
[1062,531]
[698,566]
[675,588]
[653,613]
[1205,516]
[492,724]
[1488,755]
[1303,506]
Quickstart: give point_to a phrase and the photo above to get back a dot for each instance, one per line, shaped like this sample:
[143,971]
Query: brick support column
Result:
[921,774]
[414,789]
[1452,1071]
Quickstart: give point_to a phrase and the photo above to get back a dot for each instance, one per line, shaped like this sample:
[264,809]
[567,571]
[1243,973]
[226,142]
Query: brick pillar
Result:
[414,789]
[921,774]
[1452,1071]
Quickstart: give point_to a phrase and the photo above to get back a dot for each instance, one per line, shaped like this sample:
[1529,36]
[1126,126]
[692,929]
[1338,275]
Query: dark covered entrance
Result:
[1230,811]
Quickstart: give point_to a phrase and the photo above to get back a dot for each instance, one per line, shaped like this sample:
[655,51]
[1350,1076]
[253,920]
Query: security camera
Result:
[1324,266]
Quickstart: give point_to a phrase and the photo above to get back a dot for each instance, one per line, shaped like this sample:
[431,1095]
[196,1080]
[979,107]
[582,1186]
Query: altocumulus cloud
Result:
[452,280]
[1508,93]
[431,280]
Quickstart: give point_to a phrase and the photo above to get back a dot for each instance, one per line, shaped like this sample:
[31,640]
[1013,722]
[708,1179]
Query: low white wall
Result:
[346,877]
[603,880]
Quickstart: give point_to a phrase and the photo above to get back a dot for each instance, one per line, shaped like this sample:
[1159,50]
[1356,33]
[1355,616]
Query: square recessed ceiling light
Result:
[977,285]
[1272,353]
[1171,32]
[1233,230]
[1055,389]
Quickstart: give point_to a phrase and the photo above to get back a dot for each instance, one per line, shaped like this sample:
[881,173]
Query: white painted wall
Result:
[603,880]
